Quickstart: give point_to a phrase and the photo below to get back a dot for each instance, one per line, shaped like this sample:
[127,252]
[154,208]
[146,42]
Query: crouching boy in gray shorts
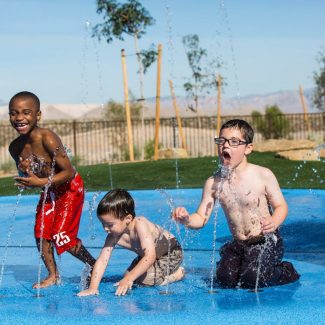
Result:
[159,253]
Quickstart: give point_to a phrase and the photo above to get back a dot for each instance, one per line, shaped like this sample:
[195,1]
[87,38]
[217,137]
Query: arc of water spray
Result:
[142,98]
[92,205]
[171,48]
[232,47]
[177,173]
[83,79]
[110,158]
[268,237]
[95,43]
[4,259]
[172,207]
[170,203]
[171,73]
[224,174]
[47,186]
[215,219]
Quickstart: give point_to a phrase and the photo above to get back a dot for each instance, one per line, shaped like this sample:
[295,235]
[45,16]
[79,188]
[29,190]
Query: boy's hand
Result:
[30,181]
[23,165]
[268,225]
[88,292]
[123,286]
[181,215]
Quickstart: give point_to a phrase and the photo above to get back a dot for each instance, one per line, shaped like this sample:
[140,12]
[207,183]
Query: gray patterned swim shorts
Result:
[163,266]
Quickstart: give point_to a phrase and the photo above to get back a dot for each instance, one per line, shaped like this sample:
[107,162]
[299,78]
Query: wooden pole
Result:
[179,122]
[127,106]
[218,82]
[304,108]
[158,102]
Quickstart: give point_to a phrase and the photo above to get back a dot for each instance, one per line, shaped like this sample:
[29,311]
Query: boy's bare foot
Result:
[176,276]
[47,282]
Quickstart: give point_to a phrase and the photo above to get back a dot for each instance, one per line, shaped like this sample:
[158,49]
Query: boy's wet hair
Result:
[26,95]
[245,129]
[117,202]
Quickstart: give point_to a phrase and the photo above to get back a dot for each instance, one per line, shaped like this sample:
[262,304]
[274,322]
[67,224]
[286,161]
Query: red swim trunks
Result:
[60,214]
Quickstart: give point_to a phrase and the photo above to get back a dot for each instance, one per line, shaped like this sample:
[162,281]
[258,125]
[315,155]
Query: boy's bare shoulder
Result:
[211,179]
[142,224]
[14,147]
[49,137]
[211,184]
[141,220]
[14,142]
[261,171]
[47,132]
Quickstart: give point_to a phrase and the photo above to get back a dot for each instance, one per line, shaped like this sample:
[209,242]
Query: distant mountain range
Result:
[288,101]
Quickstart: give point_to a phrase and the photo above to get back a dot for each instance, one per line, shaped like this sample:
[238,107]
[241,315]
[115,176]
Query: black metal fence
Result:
[100,141]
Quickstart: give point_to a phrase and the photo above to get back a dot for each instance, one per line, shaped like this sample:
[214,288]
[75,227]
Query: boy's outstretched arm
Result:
[99,268]
[277,202]
[148,247]
[199,218]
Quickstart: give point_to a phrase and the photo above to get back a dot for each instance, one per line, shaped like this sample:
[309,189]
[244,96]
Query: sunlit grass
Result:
[192,173]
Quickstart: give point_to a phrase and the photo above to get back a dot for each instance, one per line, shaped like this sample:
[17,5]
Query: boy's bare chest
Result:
[241,193]
[34,157]
[34,149]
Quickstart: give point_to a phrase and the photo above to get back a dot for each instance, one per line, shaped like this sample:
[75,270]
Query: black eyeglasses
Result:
[233,142]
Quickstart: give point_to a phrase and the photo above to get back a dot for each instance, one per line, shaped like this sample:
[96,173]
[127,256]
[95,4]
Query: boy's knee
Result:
[41,240]
[76,248]
[248,279]
[226,278]
[250,276]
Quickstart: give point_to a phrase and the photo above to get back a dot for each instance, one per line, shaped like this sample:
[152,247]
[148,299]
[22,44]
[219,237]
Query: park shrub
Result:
[273,124]
[8,166]
[149,149]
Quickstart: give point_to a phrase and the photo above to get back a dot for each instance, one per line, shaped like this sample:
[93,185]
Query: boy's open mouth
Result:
[21,126]
[226,158]
[226,155]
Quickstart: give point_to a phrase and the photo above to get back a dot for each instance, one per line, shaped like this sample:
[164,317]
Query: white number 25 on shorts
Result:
[61,238]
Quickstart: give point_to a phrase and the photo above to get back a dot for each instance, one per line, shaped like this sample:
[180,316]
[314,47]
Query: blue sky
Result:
[265,46]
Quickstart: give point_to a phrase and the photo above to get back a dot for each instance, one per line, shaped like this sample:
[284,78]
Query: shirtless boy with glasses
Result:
[254,207]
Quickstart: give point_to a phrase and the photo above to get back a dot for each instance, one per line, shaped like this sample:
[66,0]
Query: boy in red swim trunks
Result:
[42,162]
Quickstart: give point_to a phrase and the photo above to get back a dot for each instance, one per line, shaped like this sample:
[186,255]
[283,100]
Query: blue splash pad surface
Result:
[189,300]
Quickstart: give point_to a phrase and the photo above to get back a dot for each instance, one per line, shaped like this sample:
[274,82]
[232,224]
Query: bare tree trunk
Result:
[196,101]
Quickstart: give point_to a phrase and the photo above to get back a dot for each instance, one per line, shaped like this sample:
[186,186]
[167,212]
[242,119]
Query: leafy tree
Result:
[129,18]
[115,111]
[272,125]
[202,78]
[148,57]
[319,78]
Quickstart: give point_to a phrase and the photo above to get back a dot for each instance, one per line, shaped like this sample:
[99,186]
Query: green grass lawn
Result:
[192,174]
